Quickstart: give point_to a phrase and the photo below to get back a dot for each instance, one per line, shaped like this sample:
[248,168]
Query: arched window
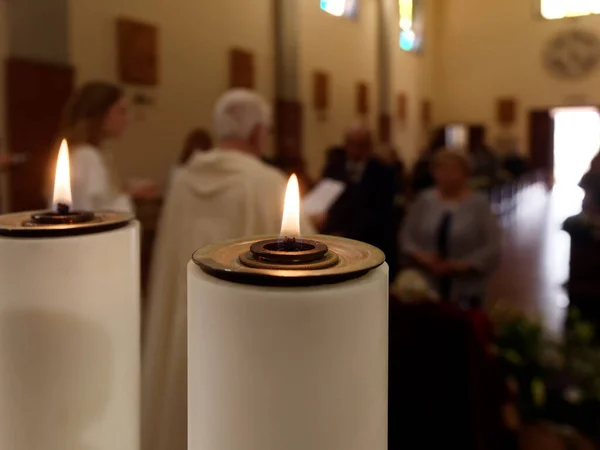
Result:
[340,8]
[559,9]
[411,25]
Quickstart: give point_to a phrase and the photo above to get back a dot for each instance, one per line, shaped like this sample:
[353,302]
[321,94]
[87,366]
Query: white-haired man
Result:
[222,194]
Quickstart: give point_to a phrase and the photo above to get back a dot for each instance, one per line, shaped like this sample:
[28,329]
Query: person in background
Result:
[486,165]
[293,165]
[95,114]
[226,193]
[395,161]
[422,174]
[364,211]
[451,235]
[335,164]
[595,164]
[514,163]
[590,183]
[198,140]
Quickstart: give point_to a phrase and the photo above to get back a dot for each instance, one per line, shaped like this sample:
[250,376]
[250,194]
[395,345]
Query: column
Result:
[288,109]
[386,11]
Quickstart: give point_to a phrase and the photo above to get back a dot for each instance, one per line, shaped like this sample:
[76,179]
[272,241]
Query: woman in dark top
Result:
[451,234]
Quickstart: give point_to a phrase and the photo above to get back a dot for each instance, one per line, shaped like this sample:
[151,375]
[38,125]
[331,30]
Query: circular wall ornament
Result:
[572,54]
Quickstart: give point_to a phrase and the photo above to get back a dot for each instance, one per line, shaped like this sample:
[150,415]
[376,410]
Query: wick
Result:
[289,244]
[62,208]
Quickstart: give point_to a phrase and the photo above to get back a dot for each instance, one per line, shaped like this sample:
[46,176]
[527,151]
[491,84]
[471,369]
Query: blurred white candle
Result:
[69,332]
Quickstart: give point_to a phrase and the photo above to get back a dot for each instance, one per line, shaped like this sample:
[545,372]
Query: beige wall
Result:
[346,50]
[493,49]
[195,38]
[38,30]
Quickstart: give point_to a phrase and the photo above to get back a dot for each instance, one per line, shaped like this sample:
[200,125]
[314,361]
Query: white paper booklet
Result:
[323,196]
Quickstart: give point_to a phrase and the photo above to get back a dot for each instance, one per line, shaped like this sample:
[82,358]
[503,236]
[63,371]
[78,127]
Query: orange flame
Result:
[290,224]
[62,178]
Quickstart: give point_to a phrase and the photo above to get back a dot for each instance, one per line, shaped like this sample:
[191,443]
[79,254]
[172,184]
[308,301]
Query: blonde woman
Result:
[95,114]
[451,235]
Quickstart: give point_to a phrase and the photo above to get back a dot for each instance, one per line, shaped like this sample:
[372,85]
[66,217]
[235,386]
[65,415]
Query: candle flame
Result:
[62,178]
[290,224]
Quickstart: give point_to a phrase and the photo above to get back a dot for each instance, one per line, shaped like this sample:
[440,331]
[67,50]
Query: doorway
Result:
[576,142]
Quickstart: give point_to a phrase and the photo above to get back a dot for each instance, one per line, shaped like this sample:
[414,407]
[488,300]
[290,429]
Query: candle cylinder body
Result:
[69,341]
[272,368]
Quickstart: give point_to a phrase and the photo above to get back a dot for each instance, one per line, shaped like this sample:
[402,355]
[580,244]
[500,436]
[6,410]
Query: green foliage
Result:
[546,372]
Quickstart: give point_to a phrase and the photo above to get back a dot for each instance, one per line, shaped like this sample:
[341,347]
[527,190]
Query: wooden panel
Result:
[137,48]
[321,91]
[402,107]
[385,129]
[241,69]
[288,129]
[362,99]
[36,94]
[476,137]
[426,112]
[506,111]
[541,140]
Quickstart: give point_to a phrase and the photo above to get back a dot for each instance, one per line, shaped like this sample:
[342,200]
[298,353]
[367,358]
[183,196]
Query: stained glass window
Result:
[559,9]
[411,29]
[340,8]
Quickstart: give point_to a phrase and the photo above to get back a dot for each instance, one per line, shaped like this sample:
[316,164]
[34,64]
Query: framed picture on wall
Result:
[242,72]
[137,52]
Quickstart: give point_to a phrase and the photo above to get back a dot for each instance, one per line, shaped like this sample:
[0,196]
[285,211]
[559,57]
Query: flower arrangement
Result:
[410,286]
[553,381]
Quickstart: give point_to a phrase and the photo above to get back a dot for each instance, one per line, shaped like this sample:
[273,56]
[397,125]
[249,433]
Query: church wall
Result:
[38,30]
[195,39]
[346,49]
[494,49]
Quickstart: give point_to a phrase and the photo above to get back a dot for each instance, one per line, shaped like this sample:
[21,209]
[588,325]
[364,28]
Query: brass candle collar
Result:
[289,261]
[62,223]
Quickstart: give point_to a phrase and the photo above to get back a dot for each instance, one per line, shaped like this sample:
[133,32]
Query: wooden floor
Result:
[535,258]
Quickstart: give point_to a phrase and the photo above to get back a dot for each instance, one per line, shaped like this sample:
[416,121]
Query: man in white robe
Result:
[223,194]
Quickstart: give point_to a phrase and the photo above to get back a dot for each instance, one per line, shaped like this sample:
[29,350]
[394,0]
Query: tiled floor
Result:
[535,259]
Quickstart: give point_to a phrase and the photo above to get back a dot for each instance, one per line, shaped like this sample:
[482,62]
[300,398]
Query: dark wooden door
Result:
[36,94]
[541,142]
[476,137]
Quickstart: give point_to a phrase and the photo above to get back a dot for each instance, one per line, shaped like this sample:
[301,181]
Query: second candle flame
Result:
[290,224]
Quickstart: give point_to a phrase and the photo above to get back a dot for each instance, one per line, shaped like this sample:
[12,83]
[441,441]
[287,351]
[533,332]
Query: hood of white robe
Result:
[210,173]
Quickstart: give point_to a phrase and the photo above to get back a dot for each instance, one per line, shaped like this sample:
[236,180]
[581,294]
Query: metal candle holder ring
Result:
[44,224]
[289,253]
[63,216]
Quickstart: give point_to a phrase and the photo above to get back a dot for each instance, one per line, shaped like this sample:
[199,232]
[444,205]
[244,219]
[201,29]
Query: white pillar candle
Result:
[70,337]
[294,368]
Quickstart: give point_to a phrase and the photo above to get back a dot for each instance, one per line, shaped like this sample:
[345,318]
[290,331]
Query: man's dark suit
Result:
[365,210]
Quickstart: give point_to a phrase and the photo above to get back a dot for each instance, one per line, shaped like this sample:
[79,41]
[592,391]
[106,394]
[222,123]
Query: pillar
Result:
[288,109]
[385,10]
